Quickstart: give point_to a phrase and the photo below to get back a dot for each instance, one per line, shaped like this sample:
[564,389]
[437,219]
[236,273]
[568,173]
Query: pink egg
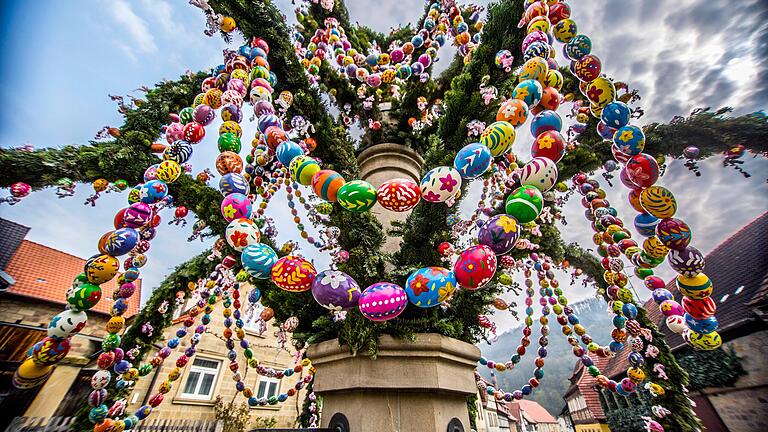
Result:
[382,301]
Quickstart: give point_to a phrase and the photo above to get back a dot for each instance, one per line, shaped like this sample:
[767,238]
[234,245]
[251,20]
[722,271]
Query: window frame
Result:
[202,371]
[268,381]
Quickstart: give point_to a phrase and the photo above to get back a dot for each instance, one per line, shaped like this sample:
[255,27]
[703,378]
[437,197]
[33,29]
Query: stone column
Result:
[418,386]
[388,161]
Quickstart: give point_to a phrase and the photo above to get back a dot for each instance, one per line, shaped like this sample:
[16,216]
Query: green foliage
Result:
[472,408]
[716,368]
[235,416]
[629,419]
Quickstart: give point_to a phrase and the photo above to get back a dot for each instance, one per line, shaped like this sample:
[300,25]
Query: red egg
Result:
[398,195]
[642,170]
[549,144]
[475,267]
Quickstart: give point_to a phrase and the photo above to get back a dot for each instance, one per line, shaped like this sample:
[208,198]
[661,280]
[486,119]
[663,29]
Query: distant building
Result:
[35,279]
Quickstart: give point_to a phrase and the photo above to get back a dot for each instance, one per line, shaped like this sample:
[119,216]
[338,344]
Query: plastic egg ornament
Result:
[525,204]
[121,241]
[398,195]
[474,159]
[579,46]
[498,137]
[630,140]
[616,114]
[288,150]
[67,323]
[702,341]
[357,196]
[642,170]
[293,273]
[101,268]
[429,286]
[168,171]
[236,206]
[645,224]
[241,233]
[335,290]
[528,91]
[153,191]
[688,262]
[475,267]
[440,184]
[100,379]
[233,183]
[500,233]
[258,260]
[674,233]
[659,202]
[540,172]
[382,301]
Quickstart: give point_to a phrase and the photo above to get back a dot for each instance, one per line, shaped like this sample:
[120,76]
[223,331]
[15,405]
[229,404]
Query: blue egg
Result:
[121,241]
[645,224]
[605,131]
[287,150]
[629,310]
[619,321]
[703,326]
[254,296]
[616,114]
[529,91]
[661,294]
[153,191]
[636,359]
[417,68]
[615,346]
[630,140]
[429,286]
[258,260]
[473,160]
[578,47]
[536,49]
[267,120]
[546,121]
[233,183]
[417,41]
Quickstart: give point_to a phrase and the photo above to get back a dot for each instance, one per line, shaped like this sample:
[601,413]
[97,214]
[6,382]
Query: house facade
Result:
[583,409]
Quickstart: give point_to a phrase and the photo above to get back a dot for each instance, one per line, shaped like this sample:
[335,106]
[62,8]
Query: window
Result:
[201,379]
[267,387]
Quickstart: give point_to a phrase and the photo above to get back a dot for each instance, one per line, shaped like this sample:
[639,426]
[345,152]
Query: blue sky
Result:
[61,59]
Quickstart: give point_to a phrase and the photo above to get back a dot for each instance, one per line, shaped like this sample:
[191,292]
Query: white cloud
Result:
[122,12]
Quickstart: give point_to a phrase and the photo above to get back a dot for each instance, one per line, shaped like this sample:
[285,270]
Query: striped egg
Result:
[540,172]
[659,202]
[699,308]
[303,168]
[498,137]
[326,184]
[697,287]
[645,224]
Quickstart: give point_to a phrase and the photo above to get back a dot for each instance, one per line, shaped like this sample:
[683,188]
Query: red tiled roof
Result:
[532,411]
[585,383]
[44,273]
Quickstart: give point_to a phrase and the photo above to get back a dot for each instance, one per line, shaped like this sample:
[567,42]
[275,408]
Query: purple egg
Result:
[425,60]
[263,107]
[382,301]
[204,114]
[688,262]
[126,290]
[335,290]
[661,294]
[137,215]
[674,233]
[151,172]
[500,233]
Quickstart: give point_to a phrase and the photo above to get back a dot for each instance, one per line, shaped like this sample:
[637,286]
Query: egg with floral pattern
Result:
[475,267]
[500,233]
[241,233]
[236,206]
[335,290]
[429,286]
[67,323]
[440,184]
[293,273]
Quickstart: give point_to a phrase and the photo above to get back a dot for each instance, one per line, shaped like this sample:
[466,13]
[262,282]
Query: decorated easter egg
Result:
[193,132]
[702,341]
[429,286]
[661,294]
[326,184]
[149,174]
[498,137]
[97,397]
[654,247]
[616,114]
[440,184]
[540,172]
[233,183]
[544,121]
[179,151]
[554,79]
[658,201]
[137,215]
[293,273]
[357,196]
[473,160]
[50,350]
[100,379]
[231,127]
[398,195]
[550,99]
[630,140]
[121,241]
[676,323]
[236,206]
[604,131]
[550,145]
[564,30]
[601,92]
[241,233]
[701,308]
[67,323]
[698,286]
[587,68]
[673,233]
[688,262]
[287,150]
[513,111]
[525,204]
[268,120]
[229,162]
[706,325]
[382,301]
[174,132]
[645,224]
[101,268]
[231,112]
[153,191]
[258,260]
[275,136]
[30,374]
[671,307]
[475,267]
[168,171]
[229,142]
[303,168]
[535,68]
[500,233]
[579,46]
[335,290]
[529,91]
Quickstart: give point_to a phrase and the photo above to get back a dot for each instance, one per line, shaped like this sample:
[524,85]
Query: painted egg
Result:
[500,233]
[674,233]
[30,374]
[671,307]
[231,112]
[550,145]
[288,150]
[654,247]
[601,92]
[293,273]
[630,140]
[658,201]
[134,195]
[475,267]
[327,183]
[115,324]
[528,91]
[121,241]
[174,132]
[179,151]
[357,196]
[241,233]
[676,323]
[203,114]
[473,160]
[688,262]
[258,260]
[233,183]
[67,323]
[231,127]
[229,142]
[525,204]
[268,120]
[303,168]
[398,195]
[429,286]
[382,301]
[535,68]
[236,206]
[540,172]
[661,294]
[50,350]
[513,111]
[498,137]
[564,30]
[100,379]
[193,132]
[554,79]
[101,268]
[168,171]
[275,136]
[699,308]
[642,170]
[335,290]
[702,341]
[229,162]
[536,49]
[697,287]
[620,156]
[97,397]
[587,68]
[706,325]
[579,46]
[153,191]
[616,114]
[440,184]
[605,132]
[550,99]
[645,224]
[544,121]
